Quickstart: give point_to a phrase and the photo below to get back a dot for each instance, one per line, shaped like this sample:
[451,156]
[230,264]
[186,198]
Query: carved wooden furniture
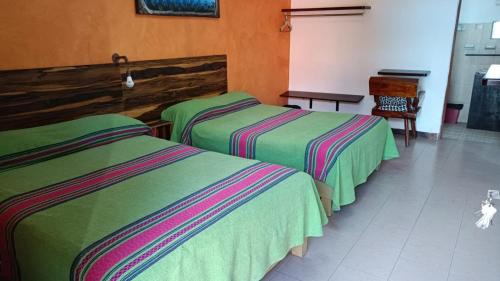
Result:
[337,98]
[405,89]
[35,97]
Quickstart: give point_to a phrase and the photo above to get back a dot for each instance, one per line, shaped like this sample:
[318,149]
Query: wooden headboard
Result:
[35,97]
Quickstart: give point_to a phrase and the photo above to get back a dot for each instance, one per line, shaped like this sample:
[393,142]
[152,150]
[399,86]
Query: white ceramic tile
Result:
[323,256]
[476,263]
[436,239]
[476,276]
[428,254]
[309,268]
[276,276]
[378,250]
[345,273]
[407,270]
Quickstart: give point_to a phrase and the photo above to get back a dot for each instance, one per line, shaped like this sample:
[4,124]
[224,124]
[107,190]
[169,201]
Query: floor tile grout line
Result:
[364,272]
[411,230]
[444,158]
[460,132]
[354,244]
[287,275]
[416,220]
[360,236]
[457,239]
[370,223]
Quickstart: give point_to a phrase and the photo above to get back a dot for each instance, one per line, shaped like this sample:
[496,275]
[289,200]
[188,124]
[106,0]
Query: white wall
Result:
[480,11]
[339,54]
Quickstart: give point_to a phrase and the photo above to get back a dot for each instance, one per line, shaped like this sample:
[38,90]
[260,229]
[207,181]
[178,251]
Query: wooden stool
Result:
[397,98]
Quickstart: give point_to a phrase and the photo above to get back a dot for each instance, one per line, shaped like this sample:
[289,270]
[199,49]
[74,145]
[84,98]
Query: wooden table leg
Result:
[325,194]
[327,205]
[407,133]
[300,251]
[414,128]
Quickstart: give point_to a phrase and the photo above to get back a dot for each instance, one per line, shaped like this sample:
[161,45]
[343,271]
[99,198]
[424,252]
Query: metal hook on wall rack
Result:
[287,26]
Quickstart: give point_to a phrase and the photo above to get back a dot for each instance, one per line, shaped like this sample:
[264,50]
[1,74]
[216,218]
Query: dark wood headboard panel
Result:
[34,97]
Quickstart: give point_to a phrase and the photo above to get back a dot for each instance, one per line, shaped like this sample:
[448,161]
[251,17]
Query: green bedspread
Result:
[79,237]
[236,124]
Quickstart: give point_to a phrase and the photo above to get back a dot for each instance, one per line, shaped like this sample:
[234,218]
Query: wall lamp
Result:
[116,60]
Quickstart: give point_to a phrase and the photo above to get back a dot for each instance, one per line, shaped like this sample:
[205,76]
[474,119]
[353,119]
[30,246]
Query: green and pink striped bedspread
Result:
[142,208]
[341,150]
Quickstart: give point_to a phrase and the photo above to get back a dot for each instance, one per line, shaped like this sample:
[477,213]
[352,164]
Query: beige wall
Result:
[339,54]
[44,33]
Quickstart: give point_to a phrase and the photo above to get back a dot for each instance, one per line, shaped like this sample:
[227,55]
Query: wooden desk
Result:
[337,98]
[492,78]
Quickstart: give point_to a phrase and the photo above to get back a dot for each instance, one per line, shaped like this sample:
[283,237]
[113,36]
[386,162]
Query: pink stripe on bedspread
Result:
[111,258]
[94,139]
[213,113]
[17,208]
[322,152]
[326,145]
[129,251]
[243,141]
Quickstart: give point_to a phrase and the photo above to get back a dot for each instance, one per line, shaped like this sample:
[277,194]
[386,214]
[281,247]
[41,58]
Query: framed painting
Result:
[196,8]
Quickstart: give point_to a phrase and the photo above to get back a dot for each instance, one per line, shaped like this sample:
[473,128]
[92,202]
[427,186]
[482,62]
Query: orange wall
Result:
[45,33]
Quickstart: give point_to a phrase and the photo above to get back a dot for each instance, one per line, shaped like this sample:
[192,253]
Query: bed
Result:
[99,199]
[339,150]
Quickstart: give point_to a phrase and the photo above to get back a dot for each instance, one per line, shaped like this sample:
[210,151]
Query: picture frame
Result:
[185,8]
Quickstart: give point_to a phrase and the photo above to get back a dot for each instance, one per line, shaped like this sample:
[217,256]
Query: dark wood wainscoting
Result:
[34,97]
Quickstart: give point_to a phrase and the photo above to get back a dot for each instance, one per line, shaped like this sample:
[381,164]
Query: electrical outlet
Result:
[494,194]
[490,47]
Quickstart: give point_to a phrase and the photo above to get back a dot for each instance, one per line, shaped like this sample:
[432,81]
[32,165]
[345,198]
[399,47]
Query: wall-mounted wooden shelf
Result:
[482,55]
[405,72]
[324,9]
[321,12]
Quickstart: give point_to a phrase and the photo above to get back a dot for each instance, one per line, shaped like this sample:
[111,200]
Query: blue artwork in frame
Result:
[197,8]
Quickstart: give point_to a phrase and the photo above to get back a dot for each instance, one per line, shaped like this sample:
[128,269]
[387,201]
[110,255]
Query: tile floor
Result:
[413,220]
[461,132]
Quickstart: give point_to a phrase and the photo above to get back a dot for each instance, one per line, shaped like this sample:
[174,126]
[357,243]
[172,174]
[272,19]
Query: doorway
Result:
[469,115]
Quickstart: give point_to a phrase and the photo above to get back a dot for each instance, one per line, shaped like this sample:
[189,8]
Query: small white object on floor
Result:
[488,210]
[494,194]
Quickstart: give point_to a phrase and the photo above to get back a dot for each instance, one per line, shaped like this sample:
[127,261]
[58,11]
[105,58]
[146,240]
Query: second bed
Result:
[339,150]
